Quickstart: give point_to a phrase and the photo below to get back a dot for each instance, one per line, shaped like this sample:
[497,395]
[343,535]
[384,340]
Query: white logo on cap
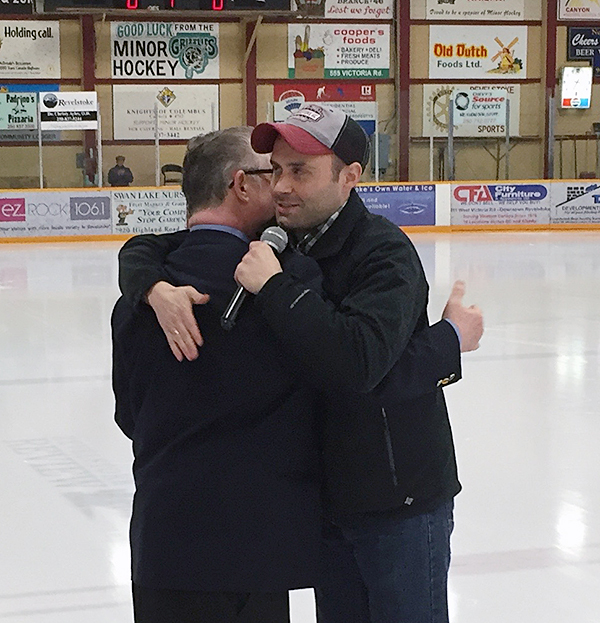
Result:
[309,113]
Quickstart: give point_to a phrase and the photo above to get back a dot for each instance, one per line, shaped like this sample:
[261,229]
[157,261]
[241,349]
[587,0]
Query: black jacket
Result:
[120,175]
[226,457]
[387,439]
[385,446]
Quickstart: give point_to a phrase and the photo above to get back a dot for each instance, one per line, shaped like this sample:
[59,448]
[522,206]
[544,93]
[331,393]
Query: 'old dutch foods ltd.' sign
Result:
[477,52]
[164,50]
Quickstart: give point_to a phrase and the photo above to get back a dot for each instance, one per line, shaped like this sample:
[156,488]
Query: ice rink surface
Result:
[526,419]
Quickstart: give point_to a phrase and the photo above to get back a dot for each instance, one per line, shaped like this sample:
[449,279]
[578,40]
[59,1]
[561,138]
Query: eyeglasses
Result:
[254,172]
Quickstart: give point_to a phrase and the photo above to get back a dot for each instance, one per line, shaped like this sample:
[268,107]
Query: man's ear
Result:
[352,173]
[240,186]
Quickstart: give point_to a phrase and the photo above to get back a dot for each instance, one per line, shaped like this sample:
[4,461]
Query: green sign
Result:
[18,111]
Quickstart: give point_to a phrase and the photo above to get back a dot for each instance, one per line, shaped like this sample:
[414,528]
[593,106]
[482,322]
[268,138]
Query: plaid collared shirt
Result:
[308,241]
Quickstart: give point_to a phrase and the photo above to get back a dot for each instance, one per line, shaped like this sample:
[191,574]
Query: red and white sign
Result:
[507,203]
[357,100]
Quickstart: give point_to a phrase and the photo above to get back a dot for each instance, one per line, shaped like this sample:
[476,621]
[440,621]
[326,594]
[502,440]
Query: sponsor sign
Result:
[496,10]
[583,44]
[579,9]
[357,100]
[148,211]
[403,204]
[55,214]
[28,135]
[69,110]
[480,110]
[29,49]
[346,9]
[575,203]
[347,51]
[477,52]
[154,50]
[500,204]
[184,111]
[18,111]
[478,116]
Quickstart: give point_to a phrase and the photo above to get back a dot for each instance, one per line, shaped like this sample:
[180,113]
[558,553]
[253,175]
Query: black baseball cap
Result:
[314,130]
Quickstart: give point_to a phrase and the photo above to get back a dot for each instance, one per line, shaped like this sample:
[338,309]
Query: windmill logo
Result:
[507,62]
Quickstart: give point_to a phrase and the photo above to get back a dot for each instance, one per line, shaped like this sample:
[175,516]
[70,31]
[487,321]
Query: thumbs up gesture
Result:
[468,320]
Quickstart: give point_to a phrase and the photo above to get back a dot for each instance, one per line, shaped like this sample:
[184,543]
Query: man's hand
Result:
[173,308]
[257,267]
[469,320]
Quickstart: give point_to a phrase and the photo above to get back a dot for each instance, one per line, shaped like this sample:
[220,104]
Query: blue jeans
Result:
[387,570]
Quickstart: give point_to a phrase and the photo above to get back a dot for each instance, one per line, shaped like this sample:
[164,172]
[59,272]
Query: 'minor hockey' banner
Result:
[168,50]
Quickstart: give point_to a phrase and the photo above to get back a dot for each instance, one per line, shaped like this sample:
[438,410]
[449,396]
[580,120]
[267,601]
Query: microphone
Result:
[277,239]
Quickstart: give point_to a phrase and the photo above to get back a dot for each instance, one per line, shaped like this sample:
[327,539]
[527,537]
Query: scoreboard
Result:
[169,5]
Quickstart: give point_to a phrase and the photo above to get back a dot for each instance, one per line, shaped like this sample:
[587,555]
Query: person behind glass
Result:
[120,175]
[390,469]
[226,515]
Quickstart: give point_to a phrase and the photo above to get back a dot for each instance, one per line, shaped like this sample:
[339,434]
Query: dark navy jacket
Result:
[226,457]
[387,440]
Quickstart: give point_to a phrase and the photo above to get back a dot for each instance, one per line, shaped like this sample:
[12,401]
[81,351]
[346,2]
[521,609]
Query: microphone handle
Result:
[230,314]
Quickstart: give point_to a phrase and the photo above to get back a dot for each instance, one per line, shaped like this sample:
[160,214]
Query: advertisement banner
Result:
[10,136]
[403,204]
[500,204]
[583,44]
[574,202]
[148,211]
[18,111]
[184,111]
[55,213]
[494,10]
[581,10]
[69,110]
[346,9]
[356,100]
[475,52]
[319,51]
[154,50]
[29,49]
[485,121]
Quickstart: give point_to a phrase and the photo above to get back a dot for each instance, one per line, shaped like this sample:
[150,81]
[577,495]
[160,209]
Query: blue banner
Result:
[403,204]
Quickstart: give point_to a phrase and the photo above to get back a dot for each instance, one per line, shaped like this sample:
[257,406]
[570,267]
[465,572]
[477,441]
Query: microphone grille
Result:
[275,237]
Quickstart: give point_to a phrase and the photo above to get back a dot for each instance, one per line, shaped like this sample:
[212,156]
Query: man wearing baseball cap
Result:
[390,469]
